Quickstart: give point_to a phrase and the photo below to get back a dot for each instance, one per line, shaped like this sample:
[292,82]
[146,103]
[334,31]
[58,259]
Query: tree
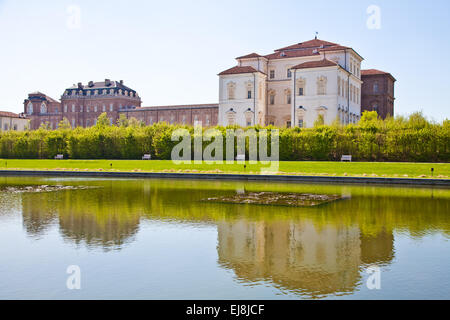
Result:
[320,121]
[64,124]
[122,121]
[102,121]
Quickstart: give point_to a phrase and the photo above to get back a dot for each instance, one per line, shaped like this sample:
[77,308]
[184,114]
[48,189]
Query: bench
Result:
[240,157]
[59,157]
[147,157]
[346,158]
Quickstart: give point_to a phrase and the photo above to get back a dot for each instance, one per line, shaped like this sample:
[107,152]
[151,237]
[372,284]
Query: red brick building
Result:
[377,92]
[82,104]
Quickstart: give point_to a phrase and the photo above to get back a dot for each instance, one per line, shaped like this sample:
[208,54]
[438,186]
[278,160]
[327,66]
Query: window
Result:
[231,86]
[248,117]
[87,122]
[300,123]
[30,108]
[287,93]
[111,107]
[207,120]
[272,98]
[15,127]
[81,108]
[321,85]
[301,86]
[289,73]
[43,108]
[73,123]
[272,74]
[95,109]
[375,107]
[288,124]
[73,108]
[249,94]
[87,109]
[231,117]
[104,108]
[65,108]
[375,87]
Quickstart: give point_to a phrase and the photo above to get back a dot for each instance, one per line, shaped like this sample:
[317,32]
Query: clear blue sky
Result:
[171,51]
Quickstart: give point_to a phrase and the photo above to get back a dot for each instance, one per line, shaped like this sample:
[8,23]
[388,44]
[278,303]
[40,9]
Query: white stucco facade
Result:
[12,121]
[293,86]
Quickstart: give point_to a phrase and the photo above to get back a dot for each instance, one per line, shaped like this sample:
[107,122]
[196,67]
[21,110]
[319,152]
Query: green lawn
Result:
[369,169]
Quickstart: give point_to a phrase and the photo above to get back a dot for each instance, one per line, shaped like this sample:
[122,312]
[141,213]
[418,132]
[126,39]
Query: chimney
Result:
[80,85]
[91,84]
[107,82]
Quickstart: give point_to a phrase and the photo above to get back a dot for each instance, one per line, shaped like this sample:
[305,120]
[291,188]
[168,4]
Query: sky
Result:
[171,51]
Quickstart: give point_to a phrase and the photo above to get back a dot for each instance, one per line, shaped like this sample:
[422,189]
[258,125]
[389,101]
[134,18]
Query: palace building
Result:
[378,92]
[82,104]
[294,86]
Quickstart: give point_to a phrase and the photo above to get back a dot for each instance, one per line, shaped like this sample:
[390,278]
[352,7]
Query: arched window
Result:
[43,108]
[301,117]
[287,94]
[231,86]
[30,108]
[272,97]
[248,117]
[322,85]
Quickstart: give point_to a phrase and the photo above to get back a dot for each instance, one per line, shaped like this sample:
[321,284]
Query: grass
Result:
[353,169]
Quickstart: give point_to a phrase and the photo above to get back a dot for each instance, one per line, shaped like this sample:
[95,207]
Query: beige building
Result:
[13,121]
[293,86]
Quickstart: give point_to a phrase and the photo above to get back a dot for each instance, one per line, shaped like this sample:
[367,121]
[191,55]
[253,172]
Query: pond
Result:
[163,239]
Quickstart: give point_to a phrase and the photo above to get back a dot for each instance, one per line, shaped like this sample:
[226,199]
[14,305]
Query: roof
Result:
[308,48]
[249,56]
[10,114]
[375,72]
[371,72]
[238,70]
[315,43]
[176,107]
[42,95]
[292,54]
[102,85]
[316,64]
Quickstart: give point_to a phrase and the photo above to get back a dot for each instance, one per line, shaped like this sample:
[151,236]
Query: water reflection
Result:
[310,251]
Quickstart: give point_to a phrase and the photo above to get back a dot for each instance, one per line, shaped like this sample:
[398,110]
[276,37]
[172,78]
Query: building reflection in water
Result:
[301,256]
[311,251]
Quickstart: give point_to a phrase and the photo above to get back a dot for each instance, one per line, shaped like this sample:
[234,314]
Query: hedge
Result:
[412,139]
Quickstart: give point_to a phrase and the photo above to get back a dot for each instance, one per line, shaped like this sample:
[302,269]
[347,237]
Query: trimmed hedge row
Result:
[412,139]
